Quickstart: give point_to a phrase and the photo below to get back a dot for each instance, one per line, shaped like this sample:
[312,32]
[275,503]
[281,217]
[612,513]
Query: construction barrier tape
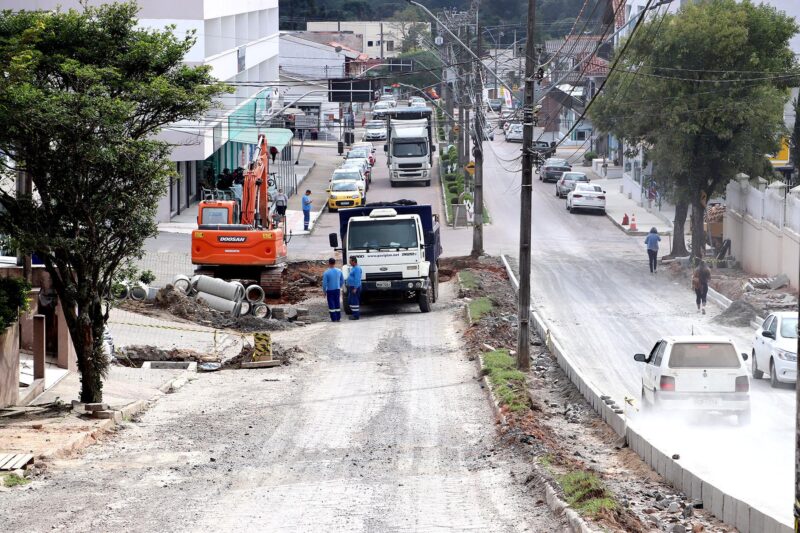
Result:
[158,326]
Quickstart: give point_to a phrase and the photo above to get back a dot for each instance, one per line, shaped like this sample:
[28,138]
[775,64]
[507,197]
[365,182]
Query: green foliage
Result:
[468,279]
[794,140]
[450,177]
[508,383]
[704,90]
[13,300]
[14,480]
[586,493]
[589,155]
[84,93]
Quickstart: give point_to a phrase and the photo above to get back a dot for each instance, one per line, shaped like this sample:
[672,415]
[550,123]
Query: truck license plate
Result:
[383,284]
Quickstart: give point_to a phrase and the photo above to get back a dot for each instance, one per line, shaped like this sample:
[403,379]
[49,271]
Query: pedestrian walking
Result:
[332,281]
[307,201]
[281,201]
[700,279]
[354,288]
[652,241]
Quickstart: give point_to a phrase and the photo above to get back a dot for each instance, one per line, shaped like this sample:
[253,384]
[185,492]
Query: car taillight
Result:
[601,197]
[577,196]
[742,384]
[667,383]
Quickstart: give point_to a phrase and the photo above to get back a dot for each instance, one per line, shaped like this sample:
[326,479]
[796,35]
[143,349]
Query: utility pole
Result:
[477,223]
[523,339]
[797,444]
[468,101]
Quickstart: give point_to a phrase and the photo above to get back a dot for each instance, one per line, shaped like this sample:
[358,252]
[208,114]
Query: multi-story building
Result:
[238,39]
[379,39]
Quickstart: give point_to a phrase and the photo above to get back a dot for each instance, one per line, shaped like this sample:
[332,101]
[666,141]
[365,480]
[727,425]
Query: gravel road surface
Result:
[381,426]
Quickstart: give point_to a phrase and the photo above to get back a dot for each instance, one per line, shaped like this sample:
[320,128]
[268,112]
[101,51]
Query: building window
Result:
[369,43]
[580,135]
[390,46]
[377,43]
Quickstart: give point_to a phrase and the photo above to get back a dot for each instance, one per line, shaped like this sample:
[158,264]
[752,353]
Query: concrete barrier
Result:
[725,507]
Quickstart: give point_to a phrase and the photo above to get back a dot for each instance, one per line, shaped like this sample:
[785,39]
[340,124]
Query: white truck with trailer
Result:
[409,145]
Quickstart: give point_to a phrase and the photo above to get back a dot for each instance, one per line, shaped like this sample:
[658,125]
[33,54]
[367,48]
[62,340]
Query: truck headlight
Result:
[785,355]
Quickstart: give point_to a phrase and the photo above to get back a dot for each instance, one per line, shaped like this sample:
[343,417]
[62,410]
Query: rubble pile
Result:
[738,314]
[135,355]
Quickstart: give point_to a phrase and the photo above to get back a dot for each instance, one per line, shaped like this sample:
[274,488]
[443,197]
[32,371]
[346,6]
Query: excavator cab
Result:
[217,212]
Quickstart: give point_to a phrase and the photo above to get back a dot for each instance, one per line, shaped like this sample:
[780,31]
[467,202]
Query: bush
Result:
[454,188]
[13,300]
[588,156]
[451,177]
[454,200]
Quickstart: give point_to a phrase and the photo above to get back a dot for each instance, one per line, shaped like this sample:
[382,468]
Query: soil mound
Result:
[738,314]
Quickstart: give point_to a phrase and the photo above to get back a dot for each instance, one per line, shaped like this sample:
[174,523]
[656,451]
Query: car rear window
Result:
[703,355]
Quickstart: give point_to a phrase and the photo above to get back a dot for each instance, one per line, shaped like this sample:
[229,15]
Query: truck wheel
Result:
[427,183]
[346,304]
[391,183]
[424,299]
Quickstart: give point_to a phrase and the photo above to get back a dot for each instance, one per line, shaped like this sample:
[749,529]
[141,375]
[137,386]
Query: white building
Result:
[239,40]
[379,39]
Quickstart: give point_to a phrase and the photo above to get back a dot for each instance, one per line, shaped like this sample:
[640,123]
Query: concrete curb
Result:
[735,512]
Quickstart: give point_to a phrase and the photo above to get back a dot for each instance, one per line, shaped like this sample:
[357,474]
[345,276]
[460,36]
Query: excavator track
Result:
[272,280]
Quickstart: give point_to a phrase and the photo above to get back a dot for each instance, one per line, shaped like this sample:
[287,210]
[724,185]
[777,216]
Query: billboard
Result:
[352,90]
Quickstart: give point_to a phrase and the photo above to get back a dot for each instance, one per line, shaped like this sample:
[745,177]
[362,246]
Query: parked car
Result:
[775,348]
[495,104]
[553,168]
[362,165]
[365,145]
[389,99]
[514,133]
[375,131]
[586,196]
[345,193]
[488,133]
[352,173]
[568,181]
[696,373]
[361,152]
[544,149]
[380,109]
[416,101]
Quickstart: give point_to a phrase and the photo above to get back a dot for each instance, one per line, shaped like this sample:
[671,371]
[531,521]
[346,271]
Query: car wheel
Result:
[558,194]
[773,376]
[566,204]
[757,374]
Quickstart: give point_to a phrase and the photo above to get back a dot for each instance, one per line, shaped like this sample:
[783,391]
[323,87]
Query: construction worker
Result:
[307,201]
[332,281]
[354,288]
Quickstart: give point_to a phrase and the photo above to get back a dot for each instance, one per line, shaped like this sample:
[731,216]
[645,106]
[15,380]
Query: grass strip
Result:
[507,382]
[468,280]
[586,493]
[13,480]
[479,307]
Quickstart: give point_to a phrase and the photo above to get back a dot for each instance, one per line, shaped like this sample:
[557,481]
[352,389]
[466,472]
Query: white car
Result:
[380,109]
[389,99]
[514,133]
[586,196]
[375,131]
[775,348]
[352,173]
[416,101]
[696,373]
[361,164]
[568,181]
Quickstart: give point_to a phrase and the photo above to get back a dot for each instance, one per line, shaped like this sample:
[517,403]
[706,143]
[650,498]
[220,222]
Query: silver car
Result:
[375,131]
[568,181]
[514,133]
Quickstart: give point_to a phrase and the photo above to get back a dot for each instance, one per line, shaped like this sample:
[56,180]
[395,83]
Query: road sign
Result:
[470,167]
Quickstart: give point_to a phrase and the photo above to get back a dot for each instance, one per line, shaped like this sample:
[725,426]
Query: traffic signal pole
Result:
[526,190]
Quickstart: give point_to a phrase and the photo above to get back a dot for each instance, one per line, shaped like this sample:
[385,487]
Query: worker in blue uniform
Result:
[332,281]
[354,288]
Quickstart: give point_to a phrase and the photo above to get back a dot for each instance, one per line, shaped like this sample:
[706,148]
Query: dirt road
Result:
[381,426]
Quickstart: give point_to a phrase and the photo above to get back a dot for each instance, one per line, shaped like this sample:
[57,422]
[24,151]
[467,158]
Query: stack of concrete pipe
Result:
[136,291]
[227,296]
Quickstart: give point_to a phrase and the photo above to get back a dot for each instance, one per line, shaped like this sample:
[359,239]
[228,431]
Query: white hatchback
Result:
[775,348]
[586,196]
[696,373]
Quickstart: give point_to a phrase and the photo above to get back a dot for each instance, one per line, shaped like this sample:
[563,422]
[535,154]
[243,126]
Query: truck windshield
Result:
[382,234]
[412,149]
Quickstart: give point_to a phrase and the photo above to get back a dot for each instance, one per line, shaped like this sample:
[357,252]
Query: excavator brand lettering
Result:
[231,238]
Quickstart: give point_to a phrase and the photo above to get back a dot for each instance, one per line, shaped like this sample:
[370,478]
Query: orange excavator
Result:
[242,243]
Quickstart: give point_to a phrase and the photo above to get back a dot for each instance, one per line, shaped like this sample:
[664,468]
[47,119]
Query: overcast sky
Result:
[792,8]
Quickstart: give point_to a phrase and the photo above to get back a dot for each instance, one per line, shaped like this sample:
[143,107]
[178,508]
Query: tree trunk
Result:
[86,328]
[678,230]
[698,231]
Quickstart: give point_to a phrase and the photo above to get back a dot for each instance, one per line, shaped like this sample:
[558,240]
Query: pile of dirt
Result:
[739,314]
[280,353]
[135,355]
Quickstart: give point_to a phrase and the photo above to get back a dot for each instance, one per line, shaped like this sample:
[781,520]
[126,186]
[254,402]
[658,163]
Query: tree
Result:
[794,140]
[83,93]
[704,90]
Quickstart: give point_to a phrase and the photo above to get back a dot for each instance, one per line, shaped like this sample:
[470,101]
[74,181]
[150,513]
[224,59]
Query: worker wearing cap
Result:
[354,288]
[332,281]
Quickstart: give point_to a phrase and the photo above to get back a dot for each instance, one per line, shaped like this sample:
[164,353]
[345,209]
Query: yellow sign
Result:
[456,129]
[782,157]
[470,167]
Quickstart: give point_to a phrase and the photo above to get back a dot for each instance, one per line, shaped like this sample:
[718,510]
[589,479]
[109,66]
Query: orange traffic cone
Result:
[625,219]
[633,223]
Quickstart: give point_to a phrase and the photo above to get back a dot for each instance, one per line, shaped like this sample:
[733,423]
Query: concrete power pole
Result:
[468,101]
[477,223]
[523,340]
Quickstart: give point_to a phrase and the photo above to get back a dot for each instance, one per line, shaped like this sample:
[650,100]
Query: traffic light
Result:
[540,75]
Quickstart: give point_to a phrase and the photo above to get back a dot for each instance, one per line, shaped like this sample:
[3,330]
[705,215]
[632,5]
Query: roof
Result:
[351,43]
[597,67]
[575,46]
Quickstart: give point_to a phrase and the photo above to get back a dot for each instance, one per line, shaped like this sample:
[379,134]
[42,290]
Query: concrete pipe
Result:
[244,308]
[228,290]
[193,282]
[220,304]
[182,283]
[254,294]
[120,291]
[260,310]
[138,292]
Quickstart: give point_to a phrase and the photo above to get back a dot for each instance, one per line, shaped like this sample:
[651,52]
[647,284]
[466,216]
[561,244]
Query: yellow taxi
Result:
[345,193]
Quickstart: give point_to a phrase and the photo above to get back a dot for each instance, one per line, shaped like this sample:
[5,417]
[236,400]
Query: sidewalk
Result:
[618,205]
